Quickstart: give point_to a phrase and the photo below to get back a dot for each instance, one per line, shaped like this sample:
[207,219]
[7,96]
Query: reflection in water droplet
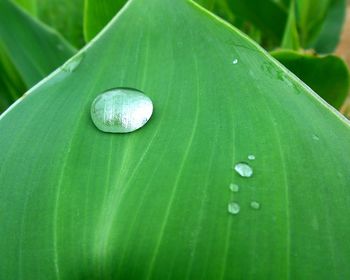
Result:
[233,208]
[73,63]
[235,61]
[234,187]
[255,205]
[244,169]
[315,137]
[121,110]
[251,157]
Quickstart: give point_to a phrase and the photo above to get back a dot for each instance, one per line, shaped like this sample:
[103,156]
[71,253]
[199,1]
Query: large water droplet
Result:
[235,61]
[73,63]
[255,205]
[234,187]
[233,208]
[244,169]
[121,110]
[251,157]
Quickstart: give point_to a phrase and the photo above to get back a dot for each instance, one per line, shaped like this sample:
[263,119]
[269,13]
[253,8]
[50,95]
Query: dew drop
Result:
[235,61]
[73,63]
[121,110]
[251,157]
[244,169]
[255,205]
[234,187]
[233,208]
[315,137]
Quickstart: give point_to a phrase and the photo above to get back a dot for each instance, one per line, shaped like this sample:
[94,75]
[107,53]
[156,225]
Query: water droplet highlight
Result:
[235,61]
[255,205]
[73,63]
[234,187]
[251,157]
[244,169]
[233,208]
[121,110]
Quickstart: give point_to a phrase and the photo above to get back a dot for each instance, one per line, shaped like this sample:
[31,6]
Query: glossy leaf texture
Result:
[98,14]
[153,204]
[29,50]
[327,75]
[65,16]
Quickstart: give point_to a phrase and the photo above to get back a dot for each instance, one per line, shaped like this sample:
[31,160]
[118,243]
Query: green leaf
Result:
[11,84]
[209,4]
[267,15]
[327,75]
[329,36]
[291,36]
[311,15]
[29,5]
[98,14]
[77,203]
[306,23]
[34,49]
[285,4]
[220,8]
[65,16]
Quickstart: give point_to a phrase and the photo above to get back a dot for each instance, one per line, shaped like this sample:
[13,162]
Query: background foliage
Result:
[77,203]
[286,24]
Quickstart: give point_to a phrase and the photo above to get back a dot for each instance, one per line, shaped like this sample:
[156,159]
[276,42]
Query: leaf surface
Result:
[153,204]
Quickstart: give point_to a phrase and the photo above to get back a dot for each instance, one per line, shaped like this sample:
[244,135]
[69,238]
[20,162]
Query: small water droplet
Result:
[234,187]
[251,157]
[255,205]
[315,137]
[121,110]
[235,61]
[233,208]
[73,63]
[244,169]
